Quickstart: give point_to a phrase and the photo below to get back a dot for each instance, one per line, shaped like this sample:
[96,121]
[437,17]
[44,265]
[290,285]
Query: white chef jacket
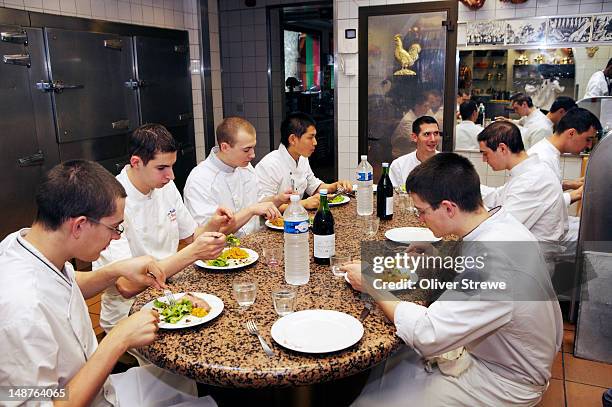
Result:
[401,143]
[467,135]
[536,127]
[48,337]
[213,184]
[597,85]
[276,170]
[401,167]
[534,197]
[512,343]
[154,224]
[549,155]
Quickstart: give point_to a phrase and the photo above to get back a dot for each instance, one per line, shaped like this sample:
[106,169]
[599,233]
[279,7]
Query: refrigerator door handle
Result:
[31,160]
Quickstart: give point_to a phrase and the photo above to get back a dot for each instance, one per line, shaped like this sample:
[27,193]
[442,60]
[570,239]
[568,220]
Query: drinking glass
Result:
[283,299]
[370,225]
[244,293]
[273,256]
[336,261]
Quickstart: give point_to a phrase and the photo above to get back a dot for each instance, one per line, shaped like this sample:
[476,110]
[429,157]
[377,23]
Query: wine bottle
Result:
[384,195]
[323,231]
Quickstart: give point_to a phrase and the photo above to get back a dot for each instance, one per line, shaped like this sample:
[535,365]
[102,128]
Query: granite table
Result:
[222,352]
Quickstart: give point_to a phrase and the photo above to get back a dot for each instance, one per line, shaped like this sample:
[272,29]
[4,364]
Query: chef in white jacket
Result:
[534,124]
[467,131]
[155,217]
[532,194]
[508,346]
[46,331]
[576,131]
[288,166]
[227,179]
[426,135]
[599,83]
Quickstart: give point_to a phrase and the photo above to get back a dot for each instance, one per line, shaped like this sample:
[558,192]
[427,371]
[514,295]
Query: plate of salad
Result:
[339,200]
[230,258]
[191,309]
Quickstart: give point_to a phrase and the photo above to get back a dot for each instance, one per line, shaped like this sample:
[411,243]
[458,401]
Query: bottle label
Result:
[389,206]
[324,246]
[296,227]
[364,176]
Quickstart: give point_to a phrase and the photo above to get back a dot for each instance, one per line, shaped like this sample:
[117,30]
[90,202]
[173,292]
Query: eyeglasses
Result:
[420,212]
[118,230]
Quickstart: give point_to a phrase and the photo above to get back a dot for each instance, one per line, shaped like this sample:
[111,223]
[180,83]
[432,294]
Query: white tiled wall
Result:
[176,14]
[244,63]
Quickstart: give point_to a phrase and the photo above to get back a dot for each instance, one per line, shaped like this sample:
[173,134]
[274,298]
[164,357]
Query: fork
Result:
[252,328]
[170,297]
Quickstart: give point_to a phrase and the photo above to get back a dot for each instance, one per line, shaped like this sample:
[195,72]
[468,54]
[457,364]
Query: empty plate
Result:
[409,235]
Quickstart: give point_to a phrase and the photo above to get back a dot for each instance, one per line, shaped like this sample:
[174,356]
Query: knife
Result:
[366,311]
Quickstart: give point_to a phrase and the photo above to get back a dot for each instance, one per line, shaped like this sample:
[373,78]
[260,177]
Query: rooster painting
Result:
[405,58]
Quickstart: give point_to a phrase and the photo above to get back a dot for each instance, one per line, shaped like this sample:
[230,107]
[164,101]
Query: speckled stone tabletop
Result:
[222,352]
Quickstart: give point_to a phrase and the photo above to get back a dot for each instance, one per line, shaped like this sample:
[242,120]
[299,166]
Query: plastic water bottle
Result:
[364,187]
[297,250]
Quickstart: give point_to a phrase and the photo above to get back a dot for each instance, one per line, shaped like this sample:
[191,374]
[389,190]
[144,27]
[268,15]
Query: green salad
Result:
[218,262]
[173,314]
[337,199]
[232,240]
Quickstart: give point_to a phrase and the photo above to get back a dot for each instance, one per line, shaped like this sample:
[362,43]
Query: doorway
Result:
[301,77]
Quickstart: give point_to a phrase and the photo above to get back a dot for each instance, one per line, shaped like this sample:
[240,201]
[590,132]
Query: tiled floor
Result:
[575,382]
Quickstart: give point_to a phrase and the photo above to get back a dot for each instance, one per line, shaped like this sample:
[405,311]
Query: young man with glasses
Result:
[156,218]
[227,179]
[48,340]
[508,340]
[426,135]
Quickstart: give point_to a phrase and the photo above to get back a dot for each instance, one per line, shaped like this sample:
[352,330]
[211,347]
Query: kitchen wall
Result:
[346,15]
[176,14]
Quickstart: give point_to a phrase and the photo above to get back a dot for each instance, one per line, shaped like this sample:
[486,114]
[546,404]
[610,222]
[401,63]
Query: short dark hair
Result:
[295,123]
[76,188]
[562,102]
[467,108]
[609,63]
[502,132]
[578,118]
[227,129]
[437,179]
[150,139]
[416,125]
[521,98]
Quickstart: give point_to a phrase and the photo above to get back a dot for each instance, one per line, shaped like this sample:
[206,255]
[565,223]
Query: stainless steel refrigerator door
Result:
[24,158]
[164,81]
[88,74]
[164,88]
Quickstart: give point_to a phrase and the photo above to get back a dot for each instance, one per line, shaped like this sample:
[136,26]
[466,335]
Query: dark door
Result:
[164,87]
[23,156]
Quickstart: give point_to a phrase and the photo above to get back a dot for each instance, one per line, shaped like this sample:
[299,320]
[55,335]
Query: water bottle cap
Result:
[295,198]
[364,157]
[385,165]
[323,191]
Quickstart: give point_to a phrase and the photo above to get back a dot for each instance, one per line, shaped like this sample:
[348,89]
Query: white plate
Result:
[409,235]
[317,331]
[345,199]
[374,187]
[234,263]
[273,226]
[216,306]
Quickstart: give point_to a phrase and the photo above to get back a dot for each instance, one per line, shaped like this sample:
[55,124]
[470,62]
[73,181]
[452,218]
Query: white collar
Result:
[496,213]
[287,157]
[524,165]
[218,163]
[131,190]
